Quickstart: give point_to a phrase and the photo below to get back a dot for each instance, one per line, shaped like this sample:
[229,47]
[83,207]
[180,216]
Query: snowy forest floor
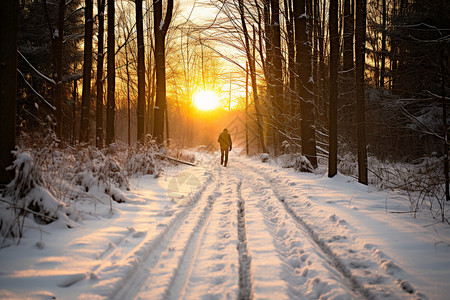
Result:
[250,230]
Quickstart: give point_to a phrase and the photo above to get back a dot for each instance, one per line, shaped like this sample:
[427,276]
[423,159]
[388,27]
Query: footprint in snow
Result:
[139,234]
[71,280]
[406,286]
[218,267]
[219,256]
[389,266]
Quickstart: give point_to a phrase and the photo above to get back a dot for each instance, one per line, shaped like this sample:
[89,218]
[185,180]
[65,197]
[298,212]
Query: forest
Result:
[358,87]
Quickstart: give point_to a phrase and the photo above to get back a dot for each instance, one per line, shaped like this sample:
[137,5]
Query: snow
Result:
[251,228]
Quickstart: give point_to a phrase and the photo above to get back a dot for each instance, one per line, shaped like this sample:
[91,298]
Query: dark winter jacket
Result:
[225,140]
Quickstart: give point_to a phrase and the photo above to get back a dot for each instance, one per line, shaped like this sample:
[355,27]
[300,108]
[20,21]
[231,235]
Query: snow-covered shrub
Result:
[285,147]
[144,160]
[296,161]
[94,170]
[422,180]
[26,195]
[348,164]
[264,157]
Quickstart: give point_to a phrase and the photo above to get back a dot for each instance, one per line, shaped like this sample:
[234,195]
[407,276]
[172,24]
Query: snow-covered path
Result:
[250,230]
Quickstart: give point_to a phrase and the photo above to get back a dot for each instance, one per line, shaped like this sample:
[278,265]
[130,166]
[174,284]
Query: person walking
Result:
[225,146]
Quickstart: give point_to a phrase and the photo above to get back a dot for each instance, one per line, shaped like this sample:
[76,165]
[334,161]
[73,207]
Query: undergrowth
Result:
[52,184]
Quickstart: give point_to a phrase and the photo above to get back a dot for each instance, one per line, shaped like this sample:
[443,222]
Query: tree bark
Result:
[87,68]
[100,58]
[278,73]
[8,85]
[334,63]
[111,104]
[127,69]
[304,83]
[383,46]
[251,63]
[360,40]
[141,72]
[348,37]
[58,36]
[160,28]
[291,57]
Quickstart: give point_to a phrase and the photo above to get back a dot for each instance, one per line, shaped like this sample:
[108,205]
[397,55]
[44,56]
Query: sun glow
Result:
[206,100]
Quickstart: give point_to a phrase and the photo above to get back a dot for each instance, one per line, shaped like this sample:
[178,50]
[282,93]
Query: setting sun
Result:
[206,100]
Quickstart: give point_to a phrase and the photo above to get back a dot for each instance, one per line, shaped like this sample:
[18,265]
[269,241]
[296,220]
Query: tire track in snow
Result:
[148,255]
[379,285]
[177,285]
[217,256]
[332,259]
[245,273]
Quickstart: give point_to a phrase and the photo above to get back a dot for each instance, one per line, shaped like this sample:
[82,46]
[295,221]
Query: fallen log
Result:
[176,160]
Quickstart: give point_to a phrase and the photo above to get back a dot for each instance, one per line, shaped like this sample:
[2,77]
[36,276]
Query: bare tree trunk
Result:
[383,46]
[304,83]
[246,108]
[74,109]
[291,57]
[251,63]
[151,101]
[59,39]
[360,41]
[111,104]
[8,85]
[141,72]
[278,96]
[160,28]
[87,68]
[444,60]
[348,37]
[334,63]
[100,58]
[127,69]
[151,73]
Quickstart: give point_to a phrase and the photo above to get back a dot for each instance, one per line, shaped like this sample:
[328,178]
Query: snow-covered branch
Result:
[34,69]
[39,95]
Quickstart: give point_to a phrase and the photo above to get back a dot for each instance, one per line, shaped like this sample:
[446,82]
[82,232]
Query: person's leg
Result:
[226,157]
[221,155]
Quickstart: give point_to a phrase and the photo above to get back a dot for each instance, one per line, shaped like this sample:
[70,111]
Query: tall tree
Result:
[141,72]
[251,63]
[383,44]
[58,40]
[8,85]
[111,103]
[160,27]
[334,63]
[304,83]
[360,47]
[275,68]
[348,37]
[100,59]
[291,56]
[87,68]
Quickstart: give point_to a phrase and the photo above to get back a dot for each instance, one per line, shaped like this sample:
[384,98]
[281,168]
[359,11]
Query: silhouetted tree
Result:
[160,29]
[141,71]
[8,85]
[360,47]
[304,82]
[87,68]
[334,63]
[100,60]
[111,103]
